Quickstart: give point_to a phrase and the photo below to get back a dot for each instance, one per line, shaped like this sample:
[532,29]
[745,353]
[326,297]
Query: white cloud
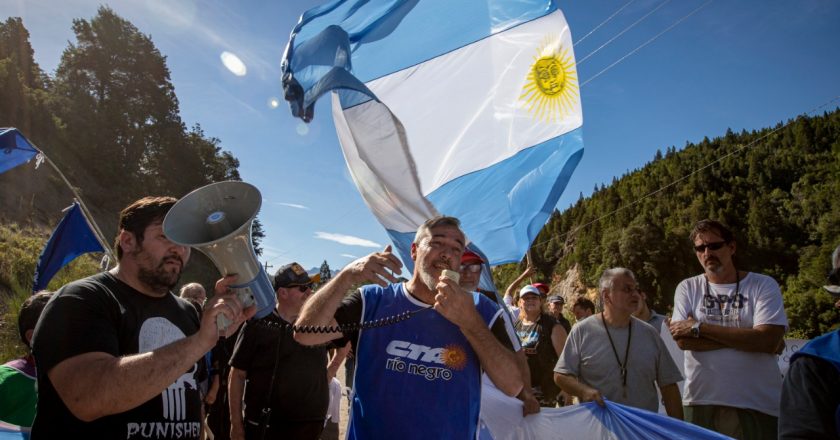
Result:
[347,239]
[349,256]
[293,205]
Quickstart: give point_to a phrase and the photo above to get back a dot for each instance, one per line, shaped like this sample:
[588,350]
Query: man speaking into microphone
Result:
[419,377]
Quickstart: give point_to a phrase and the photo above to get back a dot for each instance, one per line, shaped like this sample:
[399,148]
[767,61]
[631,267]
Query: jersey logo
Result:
[450,357]
[415,351]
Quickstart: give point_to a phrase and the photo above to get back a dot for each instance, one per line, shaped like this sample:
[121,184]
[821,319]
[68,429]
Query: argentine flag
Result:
[464,108]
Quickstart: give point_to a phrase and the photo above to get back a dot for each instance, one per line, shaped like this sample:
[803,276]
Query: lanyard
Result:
[622,366]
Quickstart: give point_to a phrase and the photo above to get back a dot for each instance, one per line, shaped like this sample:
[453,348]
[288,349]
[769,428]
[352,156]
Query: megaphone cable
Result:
[345,328]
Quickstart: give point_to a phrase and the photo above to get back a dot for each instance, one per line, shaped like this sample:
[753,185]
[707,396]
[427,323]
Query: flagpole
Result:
[86,213]
[530,264]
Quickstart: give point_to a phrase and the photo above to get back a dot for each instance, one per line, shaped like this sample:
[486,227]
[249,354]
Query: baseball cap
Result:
[542,286]
[529,290]
[471,257]
[556,299]
[833,282]
[291,275]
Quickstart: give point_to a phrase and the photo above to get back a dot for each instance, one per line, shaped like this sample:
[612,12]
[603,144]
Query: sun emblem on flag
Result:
[551,88]
[454,357]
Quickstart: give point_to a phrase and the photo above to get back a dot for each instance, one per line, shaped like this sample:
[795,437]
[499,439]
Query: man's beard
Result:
[428,279]
[713,265]
[158,279]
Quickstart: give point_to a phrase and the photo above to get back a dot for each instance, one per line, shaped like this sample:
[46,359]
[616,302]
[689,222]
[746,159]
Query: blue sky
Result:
[739,65]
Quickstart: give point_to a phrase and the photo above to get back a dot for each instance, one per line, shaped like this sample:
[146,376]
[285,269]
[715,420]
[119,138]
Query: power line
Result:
[704,167]
[604,22]
[647,42]
[623,31]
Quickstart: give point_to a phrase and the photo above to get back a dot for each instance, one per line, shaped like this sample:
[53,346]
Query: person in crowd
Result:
[470,270]
[194,291]
[647,314]
[542,339]
[543,288]
[616,356]
[512,289]
[18,395]
[117,352]
[582,309]
[338,357]
[810,403]
[436,355]
[288,393]
[471,264]
[195,294]
[730,324]
[218,409]
[555,309]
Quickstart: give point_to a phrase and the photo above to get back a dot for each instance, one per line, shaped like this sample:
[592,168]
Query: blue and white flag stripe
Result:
[479,119]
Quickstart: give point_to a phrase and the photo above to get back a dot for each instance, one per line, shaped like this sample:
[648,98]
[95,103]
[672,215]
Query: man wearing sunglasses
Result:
[470,270]
[288,393]
[730,324]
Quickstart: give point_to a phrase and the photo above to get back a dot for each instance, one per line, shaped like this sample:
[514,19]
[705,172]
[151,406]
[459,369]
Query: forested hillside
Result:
[109,119]
[777,188]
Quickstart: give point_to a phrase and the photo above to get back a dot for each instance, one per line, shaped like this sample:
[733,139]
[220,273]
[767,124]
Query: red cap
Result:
[544,288]
[471,257]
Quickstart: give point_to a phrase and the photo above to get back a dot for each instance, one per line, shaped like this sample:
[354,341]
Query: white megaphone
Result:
[216,219]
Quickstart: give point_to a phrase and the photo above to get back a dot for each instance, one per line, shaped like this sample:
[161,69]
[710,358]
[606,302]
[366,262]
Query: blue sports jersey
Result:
[419,378]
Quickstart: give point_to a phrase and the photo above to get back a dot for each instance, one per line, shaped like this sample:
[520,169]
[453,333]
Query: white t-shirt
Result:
[728,376]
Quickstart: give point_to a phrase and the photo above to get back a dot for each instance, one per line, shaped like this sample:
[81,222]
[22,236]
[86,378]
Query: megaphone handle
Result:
[245,298]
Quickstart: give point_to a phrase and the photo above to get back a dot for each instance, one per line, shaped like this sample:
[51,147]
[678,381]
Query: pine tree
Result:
[326,274]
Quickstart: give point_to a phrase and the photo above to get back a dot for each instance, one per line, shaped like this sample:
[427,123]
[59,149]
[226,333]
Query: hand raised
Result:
[380,268]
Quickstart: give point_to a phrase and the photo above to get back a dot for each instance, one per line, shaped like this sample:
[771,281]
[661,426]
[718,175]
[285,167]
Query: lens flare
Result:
[233,63]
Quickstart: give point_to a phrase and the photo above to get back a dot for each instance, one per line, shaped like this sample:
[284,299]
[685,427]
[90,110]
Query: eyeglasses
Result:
[303,288]
[472,268]
[628,289]
[711,246]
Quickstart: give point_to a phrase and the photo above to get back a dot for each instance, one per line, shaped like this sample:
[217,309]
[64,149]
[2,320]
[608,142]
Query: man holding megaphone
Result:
[117,351]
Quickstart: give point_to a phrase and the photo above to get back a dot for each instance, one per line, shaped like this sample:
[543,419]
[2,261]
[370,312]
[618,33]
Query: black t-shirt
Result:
[103,314]
[351,308]
[810,405]
[536,341]
[301,392]
[565,323]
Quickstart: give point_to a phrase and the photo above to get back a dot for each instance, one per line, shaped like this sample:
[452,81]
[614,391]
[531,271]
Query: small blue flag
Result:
[71,238]
[15,149]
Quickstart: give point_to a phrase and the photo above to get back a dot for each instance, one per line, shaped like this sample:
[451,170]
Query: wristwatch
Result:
[695,329]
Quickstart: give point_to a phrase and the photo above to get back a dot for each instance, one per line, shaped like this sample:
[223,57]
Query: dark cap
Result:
[556,299]
[292,275]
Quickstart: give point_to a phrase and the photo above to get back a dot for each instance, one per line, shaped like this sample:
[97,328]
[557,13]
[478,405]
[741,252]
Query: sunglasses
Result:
[303,288]
[472,268]
[711,246]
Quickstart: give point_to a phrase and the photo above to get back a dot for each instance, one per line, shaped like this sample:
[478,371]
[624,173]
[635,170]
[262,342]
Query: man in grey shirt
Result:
[647,314]
[616,356]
